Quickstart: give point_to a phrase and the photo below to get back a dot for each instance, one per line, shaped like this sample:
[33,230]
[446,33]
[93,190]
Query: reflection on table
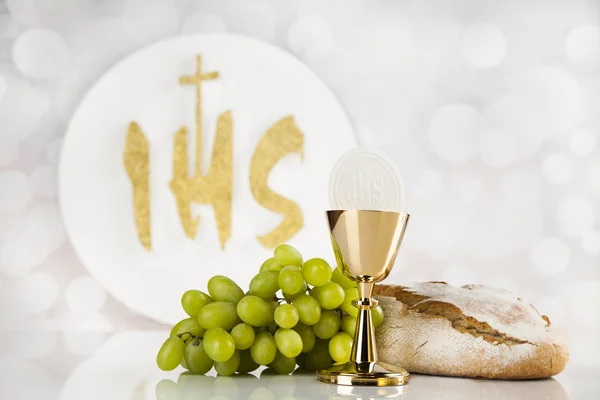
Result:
[302,385]
[124,369]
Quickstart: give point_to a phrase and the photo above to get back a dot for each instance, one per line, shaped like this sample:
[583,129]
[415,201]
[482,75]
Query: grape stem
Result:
[180,336]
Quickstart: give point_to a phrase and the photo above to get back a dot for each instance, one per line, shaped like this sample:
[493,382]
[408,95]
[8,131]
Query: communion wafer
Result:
[366,180]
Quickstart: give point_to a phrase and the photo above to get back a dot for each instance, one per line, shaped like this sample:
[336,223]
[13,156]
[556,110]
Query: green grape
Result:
[272,327]
[166,389]
[301,360]
[270,264]
[286,316]
[340,347]
[255,311]
[221,288]
[288,342]
[287,255]
[183,363]
[274,304]
[307,335]
[263,349]
[219,344]
[243,335]
[308,308]
[192,301]
[347,307]
[219,314]
[316,272]
[349,324]
[228,367]
[170,354]
[265,285]
[329,296]
[196,359]
[189,325]
[338,277]
[282,364]
[319,357]
[247,364]
[290,297]
[328,325]
[290,280]
[377,313]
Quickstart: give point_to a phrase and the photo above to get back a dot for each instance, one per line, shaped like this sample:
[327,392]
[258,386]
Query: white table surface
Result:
[123,368]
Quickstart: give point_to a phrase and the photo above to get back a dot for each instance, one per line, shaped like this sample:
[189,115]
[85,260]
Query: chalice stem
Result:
[364,351]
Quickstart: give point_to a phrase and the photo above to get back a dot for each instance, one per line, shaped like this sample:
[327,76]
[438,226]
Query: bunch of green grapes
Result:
[294,313]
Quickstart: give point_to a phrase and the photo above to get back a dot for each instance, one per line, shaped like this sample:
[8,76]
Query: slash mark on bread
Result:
[459,321]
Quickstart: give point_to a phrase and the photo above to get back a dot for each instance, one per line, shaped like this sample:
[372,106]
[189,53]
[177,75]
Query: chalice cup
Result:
[365,244]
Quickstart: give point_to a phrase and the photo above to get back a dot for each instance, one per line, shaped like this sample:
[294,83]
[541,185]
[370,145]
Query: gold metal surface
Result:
[365,244]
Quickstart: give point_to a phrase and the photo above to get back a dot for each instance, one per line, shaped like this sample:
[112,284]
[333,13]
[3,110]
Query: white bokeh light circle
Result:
[590,242]
[202,22]
[17,258]
[310,35]
[520,118]
[35,293]
[593,175]
[497,148]
[45,225]
[8,153]
[85,295]
[576,215]
[84,343]
[43,181]
[20,109]
[557,168]
[582,142]
[40,53]
[15,193]
[551,256]
[260,84]
[559,94]
[583,46]
[483,44]
[453,132]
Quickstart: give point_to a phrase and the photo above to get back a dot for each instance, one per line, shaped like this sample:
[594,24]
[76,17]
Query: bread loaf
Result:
[473,331]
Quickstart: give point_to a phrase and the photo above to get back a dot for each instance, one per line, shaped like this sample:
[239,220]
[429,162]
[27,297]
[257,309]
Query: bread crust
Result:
[474,331]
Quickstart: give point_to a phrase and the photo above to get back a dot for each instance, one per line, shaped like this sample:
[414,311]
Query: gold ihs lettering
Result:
[137,165]
[280,140]
[213,188]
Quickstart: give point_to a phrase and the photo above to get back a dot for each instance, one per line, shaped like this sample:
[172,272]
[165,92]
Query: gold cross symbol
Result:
[196,80]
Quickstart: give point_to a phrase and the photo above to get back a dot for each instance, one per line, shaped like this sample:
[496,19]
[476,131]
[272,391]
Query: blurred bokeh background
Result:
[489,108]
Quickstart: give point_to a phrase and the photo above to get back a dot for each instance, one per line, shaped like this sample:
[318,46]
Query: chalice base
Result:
[364,374]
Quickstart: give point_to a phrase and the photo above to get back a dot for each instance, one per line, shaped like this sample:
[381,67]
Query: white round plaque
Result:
[260,84]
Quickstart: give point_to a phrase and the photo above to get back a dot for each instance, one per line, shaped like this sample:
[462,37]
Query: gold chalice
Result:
[365,244]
